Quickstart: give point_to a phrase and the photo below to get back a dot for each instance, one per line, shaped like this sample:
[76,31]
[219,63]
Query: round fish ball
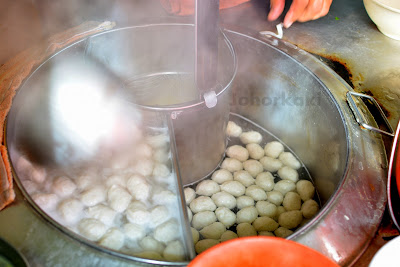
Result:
[143,150]
[159,214]
[292,201]
[102,213]
[254,167]
[247,214]
[245,229]
[195,235]
[265,223]
[163,197]
[221,176]
[279,211]
[93,196]
[113,239]
[237,152]
[29,186]
[213,231]
[305,189]
[137,215]
[149,255]
[190,194]
[234,188]
[244,201]
[275,197]
[290,219]
[283,232]
[143,167]
[232,165]
[161,170]
[256,192]
[203,218]
[273,149]
[290,160]
[271,164]
[63,186]
[244,177]
[226,216]
[161,156]
[288,173]
[150,244]
[70,210]
[266,233]
[207,188]
[158,141]
[92,229]
[116,180]
[138,187]
[255,151]
[134,231]
[118,198]
[250,137]
[167,231]
[38,174]
[84,182]
[205,244]
[233,130]
[224,199]
[228,235]
[265,180]
[46,202]
[174,251]
[202,203]
[24,166]
[266,208]
[309,208]
[189,213]
[285,186]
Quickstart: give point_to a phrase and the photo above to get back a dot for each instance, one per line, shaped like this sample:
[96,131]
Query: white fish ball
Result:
[273,149]
[247,214]
[285,186]
[250,137]
[143,150]
[138,187]
[161,156]
[244,201]
[189,213]
[167,231]
[271,164]
[158,215]
[190,194]
[63,186]
[134,231]
[237,152]
[161,170]
[148,243]
[158,141]
[232,165]
[203,218]
[305,189]
[256,192]
[138,215]
[224,199]
[292,201]
[265,223]
[228,235]
[213,231]
[113,239]
[221,176]
[207,188]
[234,188]
[38,174]
[255,151]
[24,166]
[290,160]
[30,186]
[102,213]
[202,203]
[233,130]
[116,179]
[118,198]
[174,251]
[70,210]
[83,182]
[266,208]
[309,208]
[265,180]
[205,244]
[288,173]
[143,167]
[92,229]
[265,233]
[163,197]
[275,197]
[254,167]
[46,202]
[290,219]
[283,232]
[93,196]
[244,177]
[245,229]
[195,235]
[226,216]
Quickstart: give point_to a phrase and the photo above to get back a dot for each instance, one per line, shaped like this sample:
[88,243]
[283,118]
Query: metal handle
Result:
[360,119]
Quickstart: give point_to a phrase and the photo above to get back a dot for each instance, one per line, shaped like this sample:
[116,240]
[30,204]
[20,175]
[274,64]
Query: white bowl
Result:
[386,15]
[388,255]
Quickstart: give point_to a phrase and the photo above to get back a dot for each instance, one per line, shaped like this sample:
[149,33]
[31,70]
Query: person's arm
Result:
[300,10]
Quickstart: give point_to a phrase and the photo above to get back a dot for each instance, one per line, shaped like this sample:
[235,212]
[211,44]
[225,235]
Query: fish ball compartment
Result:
[244,177]
[255,151]
[237,152]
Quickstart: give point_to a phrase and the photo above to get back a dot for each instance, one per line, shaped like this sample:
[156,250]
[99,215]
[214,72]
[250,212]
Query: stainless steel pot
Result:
[304,103]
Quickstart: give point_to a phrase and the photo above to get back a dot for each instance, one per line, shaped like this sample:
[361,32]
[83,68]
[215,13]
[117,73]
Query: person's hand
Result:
[300,10]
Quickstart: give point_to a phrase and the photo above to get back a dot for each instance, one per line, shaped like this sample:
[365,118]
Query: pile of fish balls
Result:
[256,191]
